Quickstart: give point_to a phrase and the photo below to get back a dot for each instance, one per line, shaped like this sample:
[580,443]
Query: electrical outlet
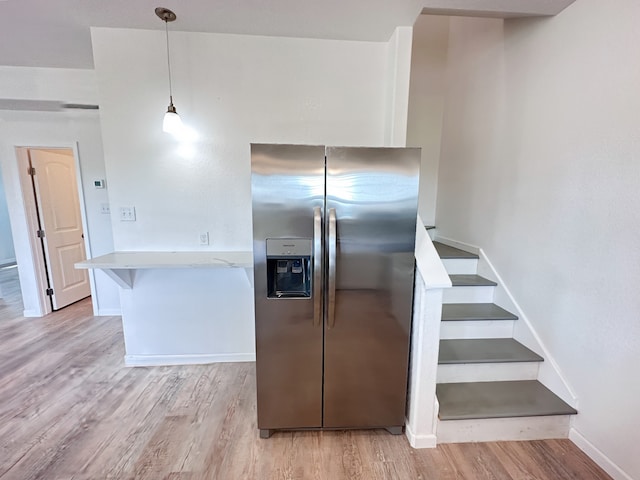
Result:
[127,214]
[204,238]
[105,208]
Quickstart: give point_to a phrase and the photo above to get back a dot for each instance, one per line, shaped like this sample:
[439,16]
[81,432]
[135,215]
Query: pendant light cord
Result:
[166,29]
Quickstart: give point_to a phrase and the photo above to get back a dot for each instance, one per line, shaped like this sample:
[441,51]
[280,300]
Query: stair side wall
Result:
[549,373]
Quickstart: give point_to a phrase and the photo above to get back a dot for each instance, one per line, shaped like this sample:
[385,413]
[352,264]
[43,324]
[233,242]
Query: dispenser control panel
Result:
[288,247]
[289,267]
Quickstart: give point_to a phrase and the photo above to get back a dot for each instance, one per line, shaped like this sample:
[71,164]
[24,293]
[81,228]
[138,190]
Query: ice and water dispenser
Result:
[288,267]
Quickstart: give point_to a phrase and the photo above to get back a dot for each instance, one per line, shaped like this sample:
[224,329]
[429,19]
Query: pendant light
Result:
[171,123]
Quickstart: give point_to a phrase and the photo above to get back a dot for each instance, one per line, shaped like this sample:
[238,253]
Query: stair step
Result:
[504,429]
[477,329]
[471,281]
[487,372]
[466,266]
[486,350]
[475,311]
[469,294]
[475,400]
[447,251]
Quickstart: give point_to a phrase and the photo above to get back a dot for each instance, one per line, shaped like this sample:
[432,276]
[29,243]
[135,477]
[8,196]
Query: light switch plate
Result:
[204,238]
[127,214]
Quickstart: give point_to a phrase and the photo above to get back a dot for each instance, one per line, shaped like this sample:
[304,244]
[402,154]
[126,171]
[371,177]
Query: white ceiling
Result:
[55,33]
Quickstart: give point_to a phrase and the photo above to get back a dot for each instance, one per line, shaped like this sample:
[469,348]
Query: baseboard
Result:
[549,374]
[31,313]
[419,441]
[161,360]
[109,312]
[597,456]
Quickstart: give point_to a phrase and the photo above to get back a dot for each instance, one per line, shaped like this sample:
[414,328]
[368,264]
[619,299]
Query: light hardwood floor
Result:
[69,409]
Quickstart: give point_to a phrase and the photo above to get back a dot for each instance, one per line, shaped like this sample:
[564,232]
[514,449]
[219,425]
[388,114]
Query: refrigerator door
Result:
[287,183]
[371,211]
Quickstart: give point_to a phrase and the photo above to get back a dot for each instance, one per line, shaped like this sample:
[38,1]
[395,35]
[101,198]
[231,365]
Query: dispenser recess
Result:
[288,267]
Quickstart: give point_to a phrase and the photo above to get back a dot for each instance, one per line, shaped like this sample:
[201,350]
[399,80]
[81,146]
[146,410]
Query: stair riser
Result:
[487,372]
[468,295]
[477,329]
[460,266]
[503,429]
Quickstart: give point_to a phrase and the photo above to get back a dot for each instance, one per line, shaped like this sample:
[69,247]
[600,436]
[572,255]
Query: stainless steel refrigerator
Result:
[333,244]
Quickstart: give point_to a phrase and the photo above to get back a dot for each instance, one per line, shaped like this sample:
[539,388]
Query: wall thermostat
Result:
[98,183]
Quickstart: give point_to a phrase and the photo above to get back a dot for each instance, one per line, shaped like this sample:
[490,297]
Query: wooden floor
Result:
[69,409]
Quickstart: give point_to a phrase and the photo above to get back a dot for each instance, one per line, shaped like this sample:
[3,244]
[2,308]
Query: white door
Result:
[56,193]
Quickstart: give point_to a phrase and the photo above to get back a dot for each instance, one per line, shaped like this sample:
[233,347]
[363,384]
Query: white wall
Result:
[540,168]
[398,75]
[233,90]
[426,104]
[7,254]
[46,129]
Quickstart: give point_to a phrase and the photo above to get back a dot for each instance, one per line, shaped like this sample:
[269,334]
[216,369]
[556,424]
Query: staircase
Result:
[487,383]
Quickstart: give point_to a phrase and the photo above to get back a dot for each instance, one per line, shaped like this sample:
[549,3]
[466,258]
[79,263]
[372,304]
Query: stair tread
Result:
[471,281]
[446,251]
[485,350]
[475,311]
[476,400]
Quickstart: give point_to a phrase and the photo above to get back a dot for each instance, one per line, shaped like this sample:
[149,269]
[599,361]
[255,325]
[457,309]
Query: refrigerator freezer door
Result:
[374,193]
[287,183]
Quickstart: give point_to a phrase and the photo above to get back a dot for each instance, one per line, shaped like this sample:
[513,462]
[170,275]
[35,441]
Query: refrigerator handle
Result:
[331,301]
[317,266]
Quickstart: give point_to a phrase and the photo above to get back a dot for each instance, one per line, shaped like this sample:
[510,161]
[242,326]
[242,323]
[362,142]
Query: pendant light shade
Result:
[172,123]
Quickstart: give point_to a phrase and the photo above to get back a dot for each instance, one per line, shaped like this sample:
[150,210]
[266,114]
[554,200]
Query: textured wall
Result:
[540,168]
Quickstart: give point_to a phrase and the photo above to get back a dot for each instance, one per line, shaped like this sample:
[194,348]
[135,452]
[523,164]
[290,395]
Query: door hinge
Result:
[40,233]
[49,291]
[31,171]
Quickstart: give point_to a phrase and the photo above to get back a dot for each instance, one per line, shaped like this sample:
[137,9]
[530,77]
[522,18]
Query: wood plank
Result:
[485,350]
[447,251]
[520,398]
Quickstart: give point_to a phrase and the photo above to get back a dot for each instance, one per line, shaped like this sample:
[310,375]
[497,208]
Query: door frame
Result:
[37,265]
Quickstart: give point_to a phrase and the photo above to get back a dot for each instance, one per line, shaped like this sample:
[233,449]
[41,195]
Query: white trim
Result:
[487,372]
[460,266]
[198,359]
[422,402]
[420,441]
[550,374]
[477,329]
[31,313]
[504,429]
[36,261]
[109,312]
[85,224]
[597,455]
[428,262]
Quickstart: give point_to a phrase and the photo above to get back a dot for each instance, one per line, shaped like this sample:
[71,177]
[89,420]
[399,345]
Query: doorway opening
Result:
[56,223]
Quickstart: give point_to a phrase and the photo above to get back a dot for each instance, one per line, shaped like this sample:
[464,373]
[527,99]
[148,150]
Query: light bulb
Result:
[172,123]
